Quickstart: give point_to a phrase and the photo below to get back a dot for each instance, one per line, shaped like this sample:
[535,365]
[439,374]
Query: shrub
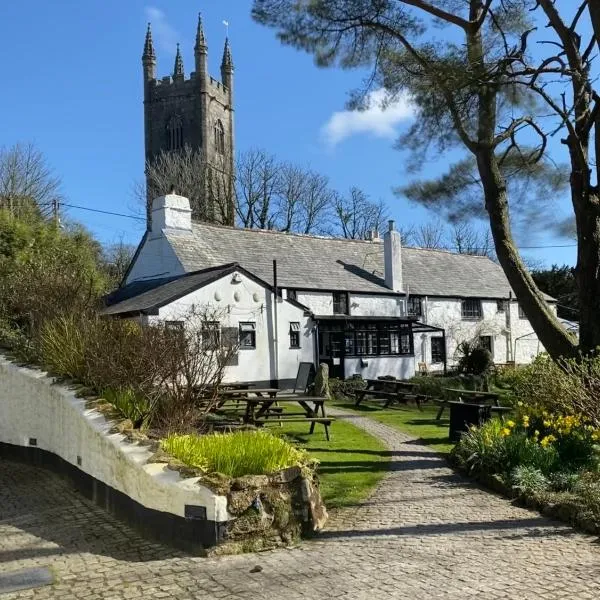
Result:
[570,387]
[131,405]
[235,454]
[473,358]
[343,389]
[528,480]
[434,386]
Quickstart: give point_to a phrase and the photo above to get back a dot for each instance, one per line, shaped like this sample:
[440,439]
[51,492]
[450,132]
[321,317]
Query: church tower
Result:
[194,112]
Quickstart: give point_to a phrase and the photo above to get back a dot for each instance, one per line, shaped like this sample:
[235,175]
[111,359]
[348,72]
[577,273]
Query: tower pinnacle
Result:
[148,44]
[200,47]
[178,71]
[227,63]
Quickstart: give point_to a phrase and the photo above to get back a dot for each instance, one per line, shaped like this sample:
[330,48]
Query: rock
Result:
[316,508]
[256,569]
[253,482]
[321,385]
[286,475]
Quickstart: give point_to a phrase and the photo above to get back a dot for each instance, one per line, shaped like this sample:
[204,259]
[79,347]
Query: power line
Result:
[116,214]
[104,212]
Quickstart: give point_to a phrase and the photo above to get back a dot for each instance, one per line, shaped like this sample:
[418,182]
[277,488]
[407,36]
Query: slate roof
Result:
[310,262]
[144,296]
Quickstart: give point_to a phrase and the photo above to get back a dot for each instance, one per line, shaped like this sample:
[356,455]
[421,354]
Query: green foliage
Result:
[131,405]
[563,481]
[496,448]
[474,359]
[434,386]
[560,282]
[528,480]
[569,387]
[343,389]
[45,273]
[235,454]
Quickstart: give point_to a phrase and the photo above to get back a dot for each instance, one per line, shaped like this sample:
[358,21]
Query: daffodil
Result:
[525,421]
[547,441]
[510,424]
[505,431]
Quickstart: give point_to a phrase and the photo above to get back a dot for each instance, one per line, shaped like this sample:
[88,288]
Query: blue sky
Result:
[73,86]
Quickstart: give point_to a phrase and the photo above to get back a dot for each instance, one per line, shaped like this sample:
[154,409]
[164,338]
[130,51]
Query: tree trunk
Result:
[545,324]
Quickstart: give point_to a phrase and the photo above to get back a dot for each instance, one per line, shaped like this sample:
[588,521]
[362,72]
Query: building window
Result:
[414,307]
[340,303]
[175,133]
[500,306]
[485,341]
[173,325]
[210,334]
[294,335]
[522,314]
[248,336]
[471,309]
[219,138]
[378,339]
[438,351]
[291,294]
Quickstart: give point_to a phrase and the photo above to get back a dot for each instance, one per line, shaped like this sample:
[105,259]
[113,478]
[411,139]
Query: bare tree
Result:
[116,259]
[430,235]
[465,239]
[291,188]
[207,186]
[27,182]
[257,179]
[316,203]
[356,216]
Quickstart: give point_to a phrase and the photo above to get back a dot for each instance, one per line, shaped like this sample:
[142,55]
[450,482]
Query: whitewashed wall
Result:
[250,301]
[320,303]
[361,305]
[32,406]
[371,367]
[156,259]
[506,329]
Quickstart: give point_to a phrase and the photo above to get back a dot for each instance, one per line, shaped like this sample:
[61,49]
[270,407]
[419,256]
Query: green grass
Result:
[408,419]
[352,462]
[234,454]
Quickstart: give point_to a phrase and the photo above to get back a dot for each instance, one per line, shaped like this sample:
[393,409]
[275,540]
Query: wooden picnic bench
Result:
[474,396]
[260,410]
[401,391]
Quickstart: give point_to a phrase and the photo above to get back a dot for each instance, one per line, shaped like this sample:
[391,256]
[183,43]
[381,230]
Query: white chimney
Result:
[171,212]
[392,252]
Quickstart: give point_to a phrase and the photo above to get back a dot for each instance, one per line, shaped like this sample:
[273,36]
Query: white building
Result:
[365,307]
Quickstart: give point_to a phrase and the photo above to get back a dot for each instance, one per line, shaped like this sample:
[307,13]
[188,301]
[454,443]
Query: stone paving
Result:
[426,533]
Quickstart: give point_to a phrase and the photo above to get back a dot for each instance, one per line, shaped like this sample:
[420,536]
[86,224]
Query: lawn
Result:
[409,419]
[352,462]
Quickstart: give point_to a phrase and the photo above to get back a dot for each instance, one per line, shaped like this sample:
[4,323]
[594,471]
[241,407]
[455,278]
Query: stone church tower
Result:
[195,112]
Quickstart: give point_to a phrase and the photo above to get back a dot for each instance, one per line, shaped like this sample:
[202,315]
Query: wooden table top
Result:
[249,391]
[473,393]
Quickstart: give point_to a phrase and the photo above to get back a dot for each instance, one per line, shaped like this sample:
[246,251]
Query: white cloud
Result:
[380,119]
[164,33]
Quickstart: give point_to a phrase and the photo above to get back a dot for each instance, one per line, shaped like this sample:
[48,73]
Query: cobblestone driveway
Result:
[427,533]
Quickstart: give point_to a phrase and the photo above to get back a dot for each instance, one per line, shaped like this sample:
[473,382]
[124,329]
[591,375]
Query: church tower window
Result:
[175,133]
[219,138]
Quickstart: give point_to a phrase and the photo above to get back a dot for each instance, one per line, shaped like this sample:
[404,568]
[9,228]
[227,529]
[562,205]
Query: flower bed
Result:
[547,461]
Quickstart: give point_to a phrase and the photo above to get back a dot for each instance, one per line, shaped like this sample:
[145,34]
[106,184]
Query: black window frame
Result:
[471,309]
[414,306]
[250,331]
[219,137]
[501,306]
[294,335]
[438,354]
[341,301]
[522,314]
[292,295]
[379,339]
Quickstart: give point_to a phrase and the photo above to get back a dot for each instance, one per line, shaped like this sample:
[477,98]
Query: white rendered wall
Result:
[371,367]
[505,328]
[248,301]
[361,305]
[32,406]
[320,303]
[156,259]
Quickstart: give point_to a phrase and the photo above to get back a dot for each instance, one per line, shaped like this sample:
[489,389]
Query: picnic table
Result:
[260,392]
[259,409]
[397,391]
[473,396]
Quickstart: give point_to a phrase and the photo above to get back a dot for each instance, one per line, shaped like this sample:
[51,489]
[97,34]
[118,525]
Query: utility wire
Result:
[116,214]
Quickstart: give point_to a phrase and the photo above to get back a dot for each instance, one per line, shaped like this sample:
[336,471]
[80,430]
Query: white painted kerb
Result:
[32,406]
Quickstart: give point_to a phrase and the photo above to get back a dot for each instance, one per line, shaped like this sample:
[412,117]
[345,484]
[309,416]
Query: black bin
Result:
[463,415]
